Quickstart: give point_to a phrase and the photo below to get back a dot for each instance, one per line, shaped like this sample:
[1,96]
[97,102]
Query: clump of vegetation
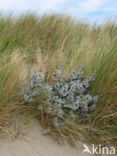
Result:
[9,86]
[45,42]
[65,97]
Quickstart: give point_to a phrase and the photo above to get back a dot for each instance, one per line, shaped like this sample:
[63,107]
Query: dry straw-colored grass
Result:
[10,71]
[49,40]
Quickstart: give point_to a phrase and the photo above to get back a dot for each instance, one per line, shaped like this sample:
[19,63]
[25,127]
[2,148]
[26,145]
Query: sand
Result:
[34,143]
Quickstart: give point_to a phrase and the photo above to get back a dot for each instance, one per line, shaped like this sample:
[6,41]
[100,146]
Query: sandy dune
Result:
[33,143]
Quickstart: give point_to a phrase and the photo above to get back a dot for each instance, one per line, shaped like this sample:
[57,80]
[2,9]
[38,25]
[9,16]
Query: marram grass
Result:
[10,70]
[49,40]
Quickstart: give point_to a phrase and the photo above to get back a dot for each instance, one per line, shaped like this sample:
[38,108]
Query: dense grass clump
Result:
[10,70]
[49,40]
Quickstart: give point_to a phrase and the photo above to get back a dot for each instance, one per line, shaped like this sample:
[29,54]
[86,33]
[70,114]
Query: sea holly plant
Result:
[67,96]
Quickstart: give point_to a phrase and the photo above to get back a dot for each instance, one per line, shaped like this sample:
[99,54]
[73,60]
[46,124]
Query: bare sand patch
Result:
[34,143]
